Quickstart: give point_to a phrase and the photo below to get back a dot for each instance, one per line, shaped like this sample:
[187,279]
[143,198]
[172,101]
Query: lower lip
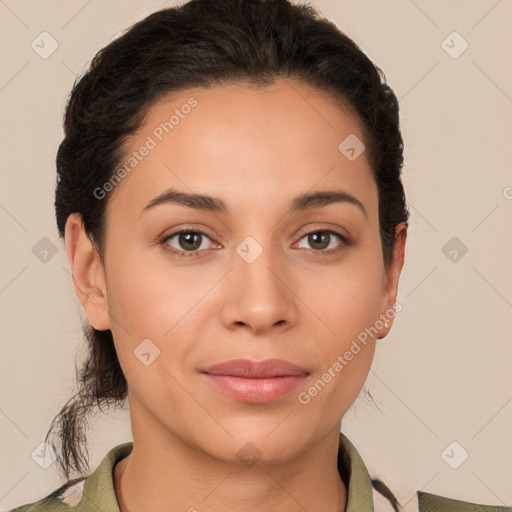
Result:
[255,390]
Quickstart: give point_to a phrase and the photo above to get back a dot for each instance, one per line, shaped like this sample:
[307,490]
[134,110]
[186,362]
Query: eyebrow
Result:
[302,202]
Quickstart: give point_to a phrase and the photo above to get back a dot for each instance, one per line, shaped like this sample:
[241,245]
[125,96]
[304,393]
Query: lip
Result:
[255,381]
[256,369]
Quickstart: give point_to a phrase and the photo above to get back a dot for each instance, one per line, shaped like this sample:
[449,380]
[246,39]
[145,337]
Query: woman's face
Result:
[272,275]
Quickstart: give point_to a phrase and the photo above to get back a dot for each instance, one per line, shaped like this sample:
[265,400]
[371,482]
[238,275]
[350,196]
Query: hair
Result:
[203,44]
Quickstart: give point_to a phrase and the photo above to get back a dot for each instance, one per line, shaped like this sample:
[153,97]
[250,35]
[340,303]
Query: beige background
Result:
[444,372]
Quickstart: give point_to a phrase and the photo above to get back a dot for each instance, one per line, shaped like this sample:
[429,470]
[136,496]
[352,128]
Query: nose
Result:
[258,295]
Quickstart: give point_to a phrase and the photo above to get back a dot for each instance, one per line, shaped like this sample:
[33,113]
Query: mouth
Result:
[255,381]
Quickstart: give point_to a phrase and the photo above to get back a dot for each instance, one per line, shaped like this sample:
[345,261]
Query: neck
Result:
[172,475]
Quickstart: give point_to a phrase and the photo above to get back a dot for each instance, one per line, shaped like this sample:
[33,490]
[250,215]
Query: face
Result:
[258,272]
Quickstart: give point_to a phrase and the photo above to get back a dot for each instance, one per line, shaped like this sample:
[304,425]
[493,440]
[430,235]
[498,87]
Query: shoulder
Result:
[85,493]
[433,503]
[61,499]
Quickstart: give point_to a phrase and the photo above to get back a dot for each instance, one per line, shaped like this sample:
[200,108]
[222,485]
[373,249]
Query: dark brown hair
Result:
[203,43]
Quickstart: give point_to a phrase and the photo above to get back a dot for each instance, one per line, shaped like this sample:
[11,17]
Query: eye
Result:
[193,242]
[321,239]
[189,242]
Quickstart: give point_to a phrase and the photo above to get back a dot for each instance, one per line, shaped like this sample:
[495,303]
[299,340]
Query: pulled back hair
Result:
[203,43]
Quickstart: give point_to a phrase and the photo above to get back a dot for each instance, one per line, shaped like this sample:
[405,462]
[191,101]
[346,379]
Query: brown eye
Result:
[186,243]
[321,240]
[189,241]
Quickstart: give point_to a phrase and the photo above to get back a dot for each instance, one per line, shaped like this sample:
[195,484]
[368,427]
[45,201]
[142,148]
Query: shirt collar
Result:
[99,491]
[359,488]
[98,488]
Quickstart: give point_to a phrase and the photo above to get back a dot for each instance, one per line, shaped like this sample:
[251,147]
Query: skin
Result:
[256,149]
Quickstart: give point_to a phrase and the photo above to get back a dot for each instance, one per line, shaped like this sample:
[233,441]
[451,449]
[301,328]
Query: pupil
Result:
[314,236]
[185,240]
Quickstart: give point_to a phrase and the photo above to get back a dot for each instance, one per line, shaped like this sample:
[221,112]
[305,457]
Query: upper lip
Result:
[256,369]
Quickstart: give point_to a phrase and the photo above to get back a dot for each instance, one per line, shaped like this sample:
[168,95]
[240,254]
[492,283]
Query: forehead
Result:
[240,141]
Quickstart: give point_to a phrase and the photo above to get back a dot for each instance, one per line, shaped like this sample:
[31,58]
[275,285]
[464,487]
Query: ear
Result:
[390,280]
[88,273]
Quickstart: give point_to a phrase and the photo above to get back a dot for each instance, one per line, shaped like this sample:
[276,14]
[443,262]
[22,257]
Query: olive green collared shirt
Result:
[96,492]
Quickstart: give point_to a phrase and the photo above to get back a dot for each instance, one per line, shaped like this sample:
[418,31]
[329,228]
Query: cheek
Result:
[150,299]
[335,386]
[147,313]
[147,302]
[346,308]
[344,298]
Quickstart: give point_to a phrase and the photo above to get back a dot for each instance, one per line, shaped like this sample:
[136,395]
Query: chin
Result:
[253,446]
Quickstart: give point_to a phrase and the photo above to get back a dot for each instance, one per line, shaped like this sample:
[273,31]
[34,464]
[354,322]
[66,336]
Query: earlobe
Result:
[391,278]
[88,273]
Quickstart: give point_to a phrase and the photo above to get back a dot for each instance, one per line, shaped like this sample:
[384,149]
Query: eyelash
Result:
[197,253]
